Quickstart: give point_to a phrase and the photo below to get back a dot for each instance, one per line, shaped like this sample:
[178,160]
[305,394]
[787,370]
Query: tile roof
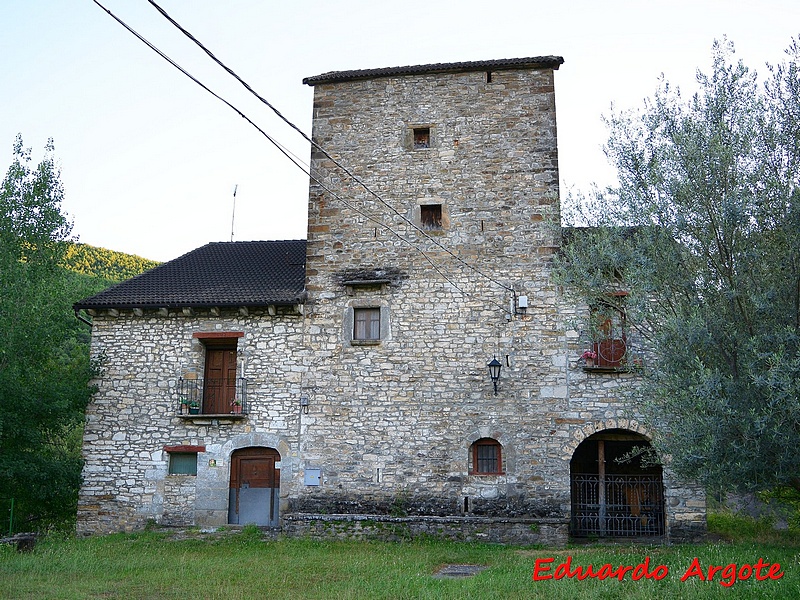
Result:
[535,62]
[217,274]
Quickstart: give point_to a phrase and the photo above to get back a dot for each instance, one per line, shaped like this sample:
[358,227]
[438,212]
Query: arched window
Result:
[486,457]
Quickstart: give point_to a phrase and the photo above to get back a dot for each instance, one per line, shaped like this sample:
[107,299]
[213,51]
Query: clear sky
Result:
[150,160]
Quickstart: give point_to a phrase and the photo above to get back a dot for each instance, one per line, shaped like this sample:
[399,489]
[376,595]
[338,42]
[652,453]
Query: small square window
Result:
[183,463]
[431,216]
[366,323]
[422,138]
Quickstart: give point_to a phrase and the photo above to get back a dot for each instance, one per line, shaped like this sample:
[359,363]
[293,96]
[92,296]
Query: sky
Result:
[150,160]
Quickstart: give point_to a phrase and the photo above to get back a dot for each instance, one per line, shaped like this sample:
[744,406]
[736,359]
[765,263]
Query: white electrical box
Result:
[523,301]
[312,476]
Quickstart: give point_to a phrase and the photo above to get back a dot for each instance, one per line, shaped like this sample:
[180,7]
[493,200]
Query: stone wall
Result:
[134,415]
[400,416]
[544,532]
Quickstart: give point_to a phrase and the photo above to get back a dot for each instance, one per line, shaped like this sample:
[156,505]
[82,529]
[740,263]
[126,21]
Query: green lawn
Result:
[153,565]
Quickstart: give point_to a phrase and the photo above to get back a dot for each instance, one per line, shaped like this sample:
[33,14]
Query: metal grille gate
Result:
[617,505]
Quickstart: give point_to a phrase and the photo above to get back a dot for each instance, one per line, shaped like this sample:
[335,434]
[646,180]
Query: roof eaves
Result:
[504,64]
[188,304]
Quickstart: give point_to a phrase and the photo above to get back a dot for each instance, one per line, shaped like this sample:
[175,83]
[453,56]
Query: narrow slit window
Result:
[422,138]
[431,216]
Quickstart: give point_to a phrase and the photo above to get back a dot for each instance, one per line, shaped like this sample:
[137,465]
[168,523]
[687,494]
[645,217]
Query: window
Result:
[366,323]
[183,459]
[431,216]
[422,138]
[219,391]
[610,339]
[183,463]
[486,457]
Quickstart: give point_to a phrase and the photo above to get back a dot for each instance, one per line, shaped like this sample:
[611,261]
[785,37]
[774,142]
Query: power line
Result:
[288,154]
[321,149]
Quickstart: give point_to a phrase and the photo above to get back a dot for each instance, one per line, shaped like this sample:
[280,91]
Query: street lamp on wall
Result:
[304,404]
[494,372]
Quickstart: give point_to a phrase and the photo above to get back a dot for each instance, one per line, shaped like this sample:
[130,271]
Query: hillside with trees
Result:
[106,264]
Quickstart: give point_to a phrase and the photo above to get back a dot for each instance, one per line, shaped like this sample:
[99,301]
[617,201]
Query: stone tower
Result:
[438,250]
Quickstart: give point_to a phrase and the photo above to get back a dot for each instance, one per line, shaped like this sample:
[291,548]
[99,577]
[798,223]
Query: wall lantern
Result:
[304,404]
[494,372]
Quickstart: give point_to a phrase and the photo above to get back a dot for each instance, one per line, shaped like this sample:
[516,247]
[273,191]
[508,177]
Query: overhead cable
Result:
[354,177]
[288,154]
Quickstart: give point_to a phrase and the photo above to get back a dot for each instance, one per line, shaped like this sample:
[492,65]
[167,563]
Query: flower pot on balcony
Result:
[589,362]
[236,409]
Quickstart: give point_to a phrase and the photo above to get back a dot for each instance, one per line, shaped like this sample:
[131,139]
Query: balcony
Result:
[212,398]
[612,355]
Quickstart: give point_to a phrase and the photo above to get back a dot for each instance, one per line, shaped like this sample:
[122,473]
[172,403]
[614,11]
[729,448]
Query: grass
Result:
[241,565]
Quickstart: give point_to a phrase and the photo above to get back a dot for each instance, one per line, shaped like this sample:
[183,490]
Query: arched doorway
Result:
[614,491]
[255,486]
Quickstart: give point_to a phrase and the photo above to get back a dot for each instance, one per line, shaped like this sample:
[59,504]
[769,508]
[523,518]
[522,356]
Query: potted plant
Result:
[236,406]
[194,407]
[589,357]
[184,405]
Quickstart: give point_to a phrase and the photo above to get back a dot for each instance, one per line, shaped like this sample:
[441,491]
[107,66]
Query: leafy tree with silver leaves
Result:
[703,231]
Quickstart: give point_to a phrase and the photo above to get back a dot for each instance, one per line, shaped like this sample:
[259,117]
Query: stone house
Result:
[339,384]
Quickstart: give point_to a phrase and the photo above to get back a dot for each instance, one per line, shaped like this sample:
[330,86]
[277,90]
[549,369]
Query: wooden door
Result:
[255,487]
[220,380]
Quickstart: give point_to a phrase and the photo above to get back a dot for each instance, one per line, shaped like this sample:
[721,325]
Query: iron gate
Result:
[617,505]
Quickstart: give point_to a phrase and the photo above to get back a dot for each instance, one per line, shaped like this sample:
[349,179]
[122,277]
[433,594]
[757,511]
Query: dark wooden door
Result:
[220,380]
[255,487]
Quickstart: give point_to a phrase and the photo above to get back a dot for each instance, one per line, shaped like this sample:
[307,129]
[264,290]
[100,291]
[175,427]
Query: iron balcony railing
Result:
[613,354]
[212,396]
[617,505]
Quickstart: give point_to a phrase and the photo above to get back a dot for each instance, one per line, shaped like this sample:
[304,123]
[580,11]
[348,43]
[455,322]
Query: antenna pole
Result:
[233,213]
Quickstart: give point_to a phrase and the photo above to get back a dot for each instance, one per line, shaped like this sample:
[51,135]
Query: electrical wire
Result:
[297,162]
[321,149]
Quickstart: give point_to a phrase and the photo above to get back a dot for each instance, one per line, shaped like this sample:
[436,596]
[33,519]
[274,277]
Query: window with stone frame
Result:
[422,138]
[431,216]
[486,457]
[367,324]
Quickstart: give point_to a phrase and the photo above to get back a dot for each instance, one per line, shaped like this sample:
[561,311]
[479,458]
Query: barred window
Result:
[486,457]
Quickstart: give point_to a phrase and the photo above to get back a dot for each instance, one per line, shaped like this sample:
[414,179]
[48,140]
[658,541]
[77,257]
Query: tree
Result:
[703,231]
[44,365]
